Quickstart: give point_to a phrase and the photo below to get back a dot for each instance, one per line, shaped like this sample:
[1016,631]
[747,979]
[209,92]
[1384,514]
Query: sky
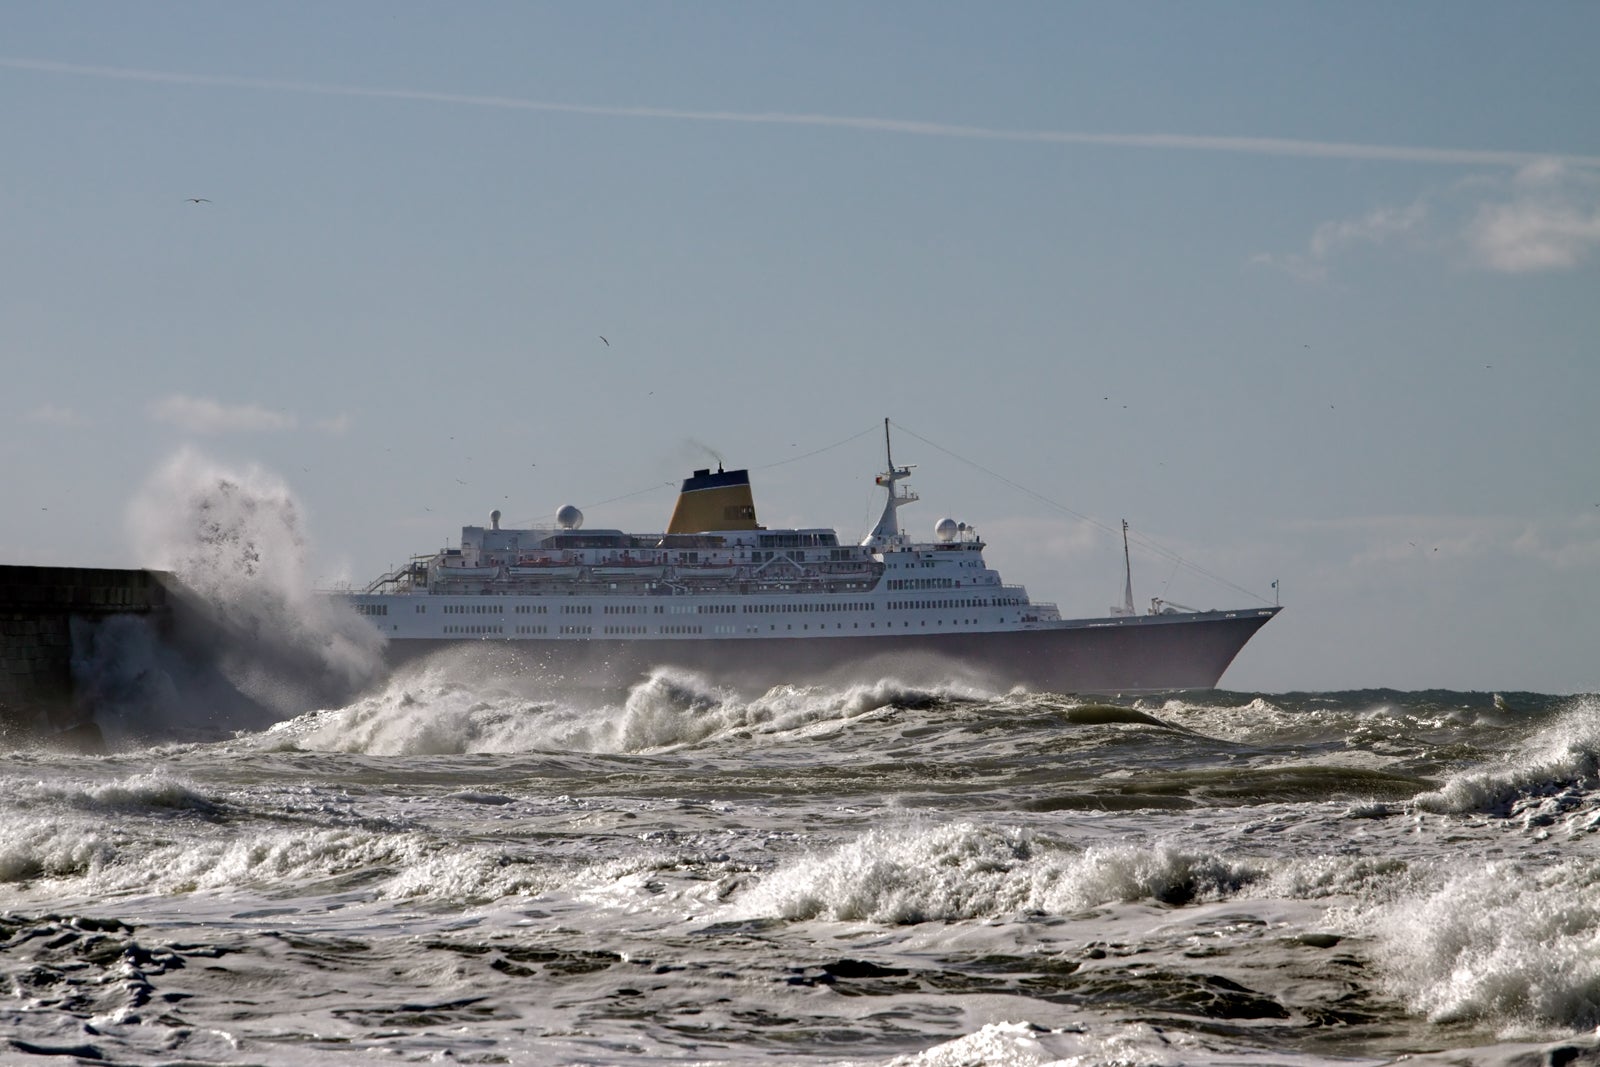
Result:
[1306,293]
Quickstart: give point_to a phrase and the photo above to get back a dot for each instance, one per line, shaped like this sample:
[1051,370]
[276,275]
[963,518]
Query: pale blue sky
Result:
[1306,292]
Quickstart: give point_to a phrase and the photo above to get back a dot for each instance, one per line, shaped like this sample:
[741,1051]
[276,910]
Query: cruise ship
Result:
[719,593]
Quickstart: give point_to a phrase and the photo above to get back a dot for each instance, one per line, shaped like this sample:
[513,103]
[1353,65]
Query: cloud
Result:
[1544,217]
[334,424]
[203,415]
[1550,220]
[1334,238]
[1270,146]
[54,415]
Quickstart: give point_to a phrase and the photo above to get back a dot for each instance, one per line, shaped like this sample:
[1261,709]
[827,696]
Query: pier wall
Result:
[37,609]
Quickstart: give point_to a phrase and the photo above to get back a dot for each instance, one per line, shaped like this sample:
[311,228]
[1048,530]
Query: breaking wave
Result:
[967,871]
[444,708]
[1560,763]
[150,792]
[1501,942]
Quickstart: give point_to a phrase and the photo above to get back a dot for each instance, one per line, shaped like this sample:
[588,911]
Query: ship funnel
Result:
[719,501]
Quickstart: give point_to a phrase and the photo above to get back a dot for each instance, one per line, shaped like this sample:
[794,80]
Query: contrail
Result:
[1263,146]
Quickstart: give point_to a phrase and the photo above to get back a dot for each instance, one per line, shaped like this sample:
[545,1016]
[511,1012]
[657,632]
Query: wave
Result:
[1501,942]
[1556,768]
[104,861]
[1026,1044]
[152,791]
[445,708]
[967,871]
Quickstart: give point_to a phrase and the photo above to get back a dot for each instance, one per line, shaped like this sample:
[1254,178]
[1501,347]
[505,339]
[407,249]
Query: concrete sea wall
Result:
[37,609]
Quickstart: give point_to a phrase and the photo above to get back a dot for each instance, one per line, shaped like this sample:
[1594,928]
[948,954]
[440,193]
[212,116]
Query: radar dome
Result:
[946,530]
[569,517]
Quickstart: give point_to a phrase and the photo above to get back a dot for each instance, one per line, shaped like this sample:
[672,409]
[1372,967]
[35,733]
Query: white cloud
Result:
[1333,238]
[1375,228]
[55,415]
[203,415]
[1545,217]
[1550,221]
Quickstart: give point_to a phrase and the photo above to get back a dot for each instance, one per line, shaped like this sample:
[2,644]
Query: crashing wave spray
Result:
[245,613]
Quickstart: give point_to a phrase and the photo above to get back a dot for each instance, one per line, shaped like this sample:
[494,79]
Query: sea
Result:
[460,868]
[462,863]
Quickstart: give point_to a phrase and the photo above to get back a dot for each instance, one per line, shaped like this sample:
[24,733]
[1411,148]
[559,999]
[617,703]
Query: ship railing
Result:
[404,574]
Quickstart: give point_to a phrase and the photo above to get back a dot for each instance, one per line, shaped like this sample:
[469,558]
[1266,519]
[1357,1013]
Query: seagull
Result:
[198,200]
[602,337]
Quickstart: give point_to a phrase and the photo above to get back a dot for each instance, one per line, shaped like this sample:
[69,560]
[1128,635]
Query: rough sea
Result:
[459,863]
[460,868]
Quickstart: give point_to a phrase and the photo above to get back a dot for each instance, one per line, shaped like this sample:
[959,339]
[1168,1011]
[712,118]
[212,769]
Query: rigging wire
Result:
[670,484]
[819,451]
[538,523]
[1142,542]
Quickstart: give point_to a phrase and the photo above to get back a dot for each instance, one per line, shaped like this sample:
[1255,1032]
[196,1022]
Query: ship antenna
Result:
[887,533]
[1127,563]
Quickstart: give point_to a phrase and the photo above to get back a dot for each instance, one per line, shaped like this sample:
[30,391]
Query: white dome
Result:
[946,530]
[569,517]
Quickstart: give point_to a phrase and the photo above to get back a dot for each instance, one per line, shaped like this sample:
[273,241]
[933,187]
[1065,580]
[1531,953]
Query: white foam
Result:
[50,848]
[1502,942]
[152,791]
[1564,754]
[1024,1044]
[443,708]
[966,871]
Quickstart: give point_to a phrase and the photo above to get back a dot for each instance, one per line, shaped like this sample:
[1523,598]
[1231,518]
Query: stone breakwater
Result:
[38,606]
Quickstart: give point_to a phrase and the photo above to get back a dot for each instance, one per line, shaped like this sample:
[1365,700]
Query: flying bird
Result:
[198,200]
[602,337]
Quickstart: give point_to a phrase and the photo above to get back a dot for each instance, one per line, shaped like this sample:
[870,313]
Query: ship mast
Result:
[887,533]
[1127,563]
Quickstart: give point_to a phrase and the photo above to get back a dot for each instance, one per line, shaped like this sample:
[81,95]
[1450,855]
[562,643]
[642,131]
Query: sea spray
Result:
[236,545]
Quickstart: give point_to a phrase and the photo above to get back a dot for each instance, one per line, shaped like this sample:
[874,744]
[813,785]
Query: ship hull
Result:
[1129,654]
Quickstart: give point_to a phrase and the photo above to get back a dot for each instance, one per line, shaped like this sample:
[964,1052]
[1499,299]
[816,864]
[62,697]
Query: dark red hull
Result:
[1138,653]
